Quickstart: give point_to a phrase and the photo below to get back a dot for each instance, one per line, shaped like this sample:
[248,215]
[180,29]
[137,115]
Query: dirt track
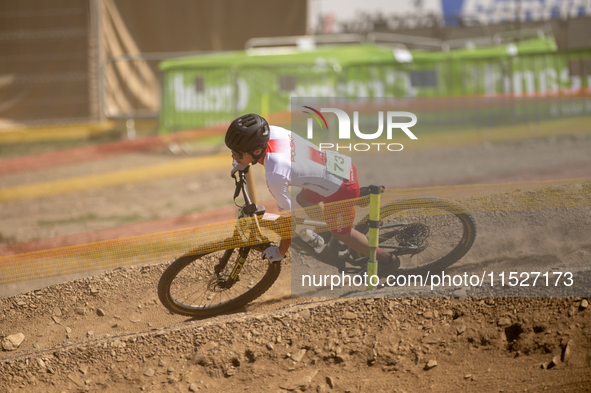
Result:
[353,345]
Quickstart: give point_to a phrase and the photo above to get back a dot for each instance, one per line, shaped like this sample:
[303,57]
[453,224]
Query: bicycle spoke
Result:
[196,285]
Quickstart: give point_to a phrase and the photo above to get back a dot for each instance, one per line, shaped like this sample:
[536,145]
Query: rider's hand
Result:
[236,167]
[273,254]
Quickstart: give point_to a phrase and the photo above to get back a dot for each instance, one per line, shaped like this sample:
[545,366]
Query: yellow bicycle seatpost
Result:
[374,233]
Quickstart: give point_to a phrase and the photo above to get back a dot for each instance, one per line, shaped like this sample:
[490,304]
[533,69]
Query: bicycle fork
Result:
[235,276]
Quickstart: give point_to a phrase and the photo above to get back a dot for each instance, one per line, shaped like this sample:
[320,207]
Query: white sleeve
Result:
[278,186]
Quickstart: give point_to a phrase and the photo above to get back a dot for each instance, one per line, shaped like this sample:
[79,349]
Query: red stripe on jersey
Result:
[275,146]
[317,156]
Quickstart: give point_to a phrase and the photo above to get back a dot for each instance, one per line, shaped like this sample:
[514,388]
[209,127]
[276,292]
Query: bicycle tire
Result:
[444,247]
[178,288]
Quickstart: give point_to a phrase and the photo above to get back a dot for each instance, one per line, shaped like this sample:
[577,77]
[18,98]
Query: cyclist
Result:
[291,160]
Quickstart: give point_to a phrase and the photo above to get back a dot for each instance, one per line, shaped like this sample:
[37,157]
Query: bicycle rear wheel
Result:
[189,286]
[426,234]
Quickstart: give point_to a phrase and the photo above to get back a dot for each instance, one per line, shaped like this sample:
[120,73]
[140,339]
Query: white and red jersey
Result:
[291,160]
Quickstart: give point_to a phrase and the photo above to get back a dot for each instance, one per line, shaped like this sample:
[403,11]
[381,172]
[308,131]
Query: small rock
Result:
[56,320]
[584,304]
[231,372]
[467,376]
[80,310]
[68,330]
[566,352]
[571,311]
[199,358]
[100,312]
[215,373]
[57,312]
[149,372]
[331,382]
[270,346]
[428,315]
[461,329]
[430,364]
[90,333]
[12,342]
[193,387]
[305,314]
[298,355]
[553,363]
[504,322]
[349,315]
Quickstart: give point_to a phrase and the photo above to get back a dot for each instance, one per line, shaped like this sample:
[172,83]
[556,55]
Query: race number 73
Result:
[338,164]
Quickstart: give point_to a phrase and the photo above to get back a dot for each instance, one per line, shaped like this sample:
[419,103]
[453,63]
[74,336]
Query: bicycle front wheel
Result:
[426,234]
[190,286]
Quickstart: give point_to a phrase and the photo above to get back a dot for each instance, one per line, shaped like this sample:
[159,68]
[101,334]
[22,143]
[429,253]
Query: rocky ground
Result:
[95,335]
[108,332]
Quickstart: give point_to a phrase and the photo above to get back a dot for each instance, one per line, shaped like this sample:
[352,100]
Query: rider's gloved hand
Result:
[236,167]
[273,254]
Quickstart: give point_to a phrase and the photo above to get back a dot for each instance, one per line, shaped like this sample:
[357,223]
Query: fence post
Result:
[374,232]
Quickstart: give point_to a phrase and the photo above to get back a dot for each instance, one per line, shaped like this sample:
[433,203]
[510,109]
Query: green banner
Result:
[213,89]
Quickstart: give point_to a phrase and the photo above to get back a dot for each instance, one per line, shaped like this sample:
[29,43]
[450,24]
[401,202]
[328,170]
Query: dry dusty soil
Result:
[108,332]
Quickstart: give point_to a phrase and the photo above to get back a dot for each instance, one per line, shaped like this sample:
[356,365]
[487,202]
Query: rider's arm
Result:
[279,187]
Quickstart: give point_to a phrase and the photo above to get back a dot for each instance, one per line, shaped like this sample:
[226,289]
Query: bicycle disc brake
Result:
[414,236]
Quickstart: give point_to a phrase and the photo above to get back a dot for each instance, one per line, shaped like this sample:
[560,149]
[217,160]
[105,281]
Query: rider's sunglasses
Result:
[237,154]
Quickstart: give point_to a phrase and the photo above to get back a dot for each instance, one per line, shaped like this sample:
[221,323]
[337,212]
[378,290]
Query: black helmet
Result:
[247,133]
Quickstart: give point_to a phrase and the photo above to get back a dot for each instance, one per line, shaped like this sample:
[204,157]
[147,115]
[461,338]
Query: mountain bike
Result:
[423,234]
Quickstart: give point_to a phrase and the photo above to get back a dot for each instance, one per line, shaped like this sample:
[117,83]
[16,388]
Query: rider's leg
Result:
[313,209]
[358,242]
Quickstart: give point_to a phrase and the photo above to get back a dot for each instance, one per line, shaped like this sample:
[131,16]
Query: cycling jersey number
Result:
[338,164]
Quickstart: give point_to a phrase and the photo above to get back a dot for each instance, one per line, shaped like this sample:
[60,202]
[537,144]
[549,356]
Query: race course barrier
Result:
[163,246]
